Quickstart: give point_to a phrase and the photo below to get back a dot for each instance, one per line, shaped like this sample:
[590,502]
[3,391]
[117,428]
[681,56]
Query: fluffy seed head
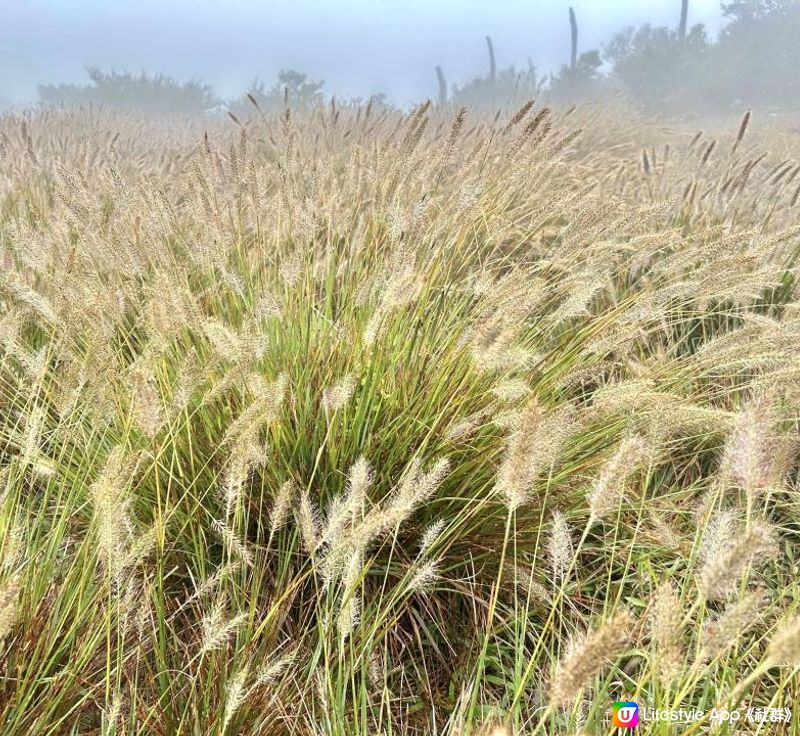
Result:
[269,673]
[345,510]
[416,487]
[282,506]
[113,712]
[608,489]
[350,607]
[587,655]
[113,527]
[339,395]
[146,402]
[755,458]
[217,629]
[9,600]
[425,576]
[521,464]
[307,518]
[235,546]
[235,693]
[430,535]
[559,546]
[784,649]
[722,571]
[723,632]
[666,632]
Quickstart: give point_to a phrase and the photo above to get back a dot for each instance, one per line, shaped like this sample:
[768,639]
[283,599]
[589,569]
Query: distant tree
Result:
[292,88]
[757,56]
[378,100]
[659,68]
[580,80]
[298,89]
[741,12]
[753,63]
[157,94]
[509,87]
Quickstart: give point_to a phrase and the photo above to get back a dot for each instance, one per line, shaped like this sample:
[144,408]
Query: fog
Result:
[359,47]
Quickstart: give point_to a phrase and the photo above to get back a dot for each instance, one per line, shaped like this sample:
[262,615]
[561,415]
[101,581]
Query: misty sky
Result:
[358,47]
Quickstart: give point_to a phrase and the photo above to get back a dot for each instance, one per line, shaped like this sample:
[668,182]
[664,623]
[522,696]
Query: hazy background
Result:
[359,47]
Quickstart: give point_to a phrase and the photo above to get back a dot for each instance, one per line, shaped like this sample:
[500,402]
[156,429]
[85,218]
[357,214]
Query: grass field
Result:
[363,422]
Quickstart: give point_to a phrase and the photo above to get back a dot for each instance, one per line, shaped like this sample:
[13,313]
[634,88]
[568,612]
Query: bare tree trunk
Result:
[492,63]
[573,25]
[442,86]
[684,19]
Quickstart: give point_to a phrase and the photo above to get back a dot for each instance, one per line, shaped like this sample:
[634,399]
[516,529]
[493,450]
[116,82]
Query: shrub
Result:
[157,94]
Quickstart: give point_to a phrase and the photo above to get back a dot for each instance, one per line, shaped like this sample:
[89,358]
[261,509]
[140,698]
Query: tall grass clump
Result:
[357,422]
